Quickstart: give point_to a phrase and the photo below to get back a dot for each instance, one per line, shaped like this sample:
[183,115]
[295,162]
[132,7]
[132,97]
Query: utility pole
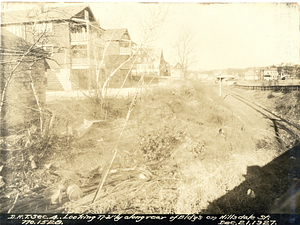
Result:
[220,85]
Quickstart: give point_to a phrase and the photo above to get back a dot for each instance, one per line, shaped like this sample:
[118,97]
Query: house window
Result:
[126,36]
[43,27]
[79,51]
[124,44]
[16,29]
[145,68]
[78,28]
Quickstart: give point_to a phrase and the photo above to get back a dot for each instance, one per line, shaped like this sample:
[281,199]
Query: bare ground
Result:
[184,150]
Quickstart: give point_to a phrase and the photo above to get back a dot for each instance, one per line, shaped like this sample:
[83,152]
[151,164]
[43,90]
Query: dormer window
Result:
[126,36]
[124,44]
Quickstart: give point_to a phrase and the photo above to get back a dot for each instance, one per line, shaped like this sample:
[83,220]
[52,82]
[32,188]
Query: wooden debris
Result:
[74,193]
[85,127]
[251,193]
[53,196]
[13,203]
[2,183]
[66,174]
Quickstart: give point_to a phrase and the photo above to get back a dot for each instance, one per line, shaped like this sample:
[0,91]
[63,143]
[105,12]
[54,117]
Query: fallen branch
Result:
[37,101]
[103,178]
[13,203]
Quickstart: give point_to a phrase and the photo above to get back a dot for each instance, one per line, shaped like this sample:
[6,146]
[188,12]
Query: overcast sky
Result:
[235,35]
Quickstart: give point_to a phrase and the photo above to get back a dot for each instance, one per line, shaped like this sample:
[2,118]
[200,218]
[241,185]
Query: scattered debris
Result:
[85,127]
[53,196]
[13,203]
[74,192]
[142,176]
[66,175]
[251,193]
[2,183]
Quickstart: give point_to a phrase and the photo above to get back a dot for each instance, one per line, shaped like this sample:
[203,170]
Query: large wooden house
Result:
[69,33]
[117,50]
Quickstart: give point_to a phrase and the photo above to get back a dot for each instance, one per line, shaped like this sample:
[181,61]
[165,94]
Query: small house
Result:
[176,71]
[150,61]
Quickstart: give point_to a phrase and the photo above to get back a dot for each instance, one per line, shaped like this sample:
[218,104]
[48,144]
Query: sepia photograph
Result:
[182,109]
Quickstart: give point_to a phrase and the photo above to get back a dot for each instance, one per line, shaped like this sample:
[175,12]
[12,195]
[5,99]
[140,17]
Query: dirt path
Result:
[258,125]
[268,177]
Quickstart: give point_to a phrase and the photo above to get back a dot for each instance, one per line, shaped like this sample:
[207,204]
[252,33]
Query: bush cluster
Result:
[158,144]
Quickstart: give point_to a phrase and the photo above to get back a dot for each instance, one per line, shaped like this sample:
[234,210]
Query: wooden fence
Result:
[271,88]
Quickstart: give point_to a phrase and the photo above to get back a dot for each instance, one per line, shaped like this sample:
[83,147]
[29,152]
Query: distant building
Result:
[270,73]
[176,71]
[150,61]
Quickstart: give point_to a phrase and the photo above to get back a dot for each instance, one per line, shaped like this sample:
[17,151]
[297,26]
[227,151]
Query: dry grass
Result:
[182,149]
[187,162]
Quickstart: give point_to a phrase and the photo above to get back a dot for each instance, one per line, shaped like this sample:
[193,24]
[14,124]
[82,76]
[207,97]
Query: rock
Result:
[251,193]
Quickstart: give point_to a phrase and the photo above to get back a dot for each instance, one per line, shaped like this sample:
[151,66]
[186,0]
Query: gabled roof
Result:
[49,14]
[114,34]
[177,66]
[16,46]
[156,54]
[11,41]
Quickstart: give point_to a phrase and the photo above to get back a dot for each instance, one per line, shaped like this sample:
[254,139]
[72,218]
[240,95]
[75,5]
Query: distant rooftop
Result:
[115,34]
[44,14]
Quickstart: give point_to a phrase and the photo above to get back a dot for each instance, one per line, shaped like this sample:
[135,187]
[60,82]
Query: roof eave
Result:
[37,21]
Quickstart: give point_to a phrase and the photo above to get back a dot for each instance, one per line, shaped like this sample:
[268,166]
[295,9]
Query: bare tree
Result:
[150,22]
[150,25]
[184,48]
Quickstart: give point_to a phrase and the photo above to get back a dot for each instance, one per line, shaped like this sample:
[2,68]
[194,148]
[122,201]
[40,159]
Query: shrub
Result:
[270,96]
[158,144]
